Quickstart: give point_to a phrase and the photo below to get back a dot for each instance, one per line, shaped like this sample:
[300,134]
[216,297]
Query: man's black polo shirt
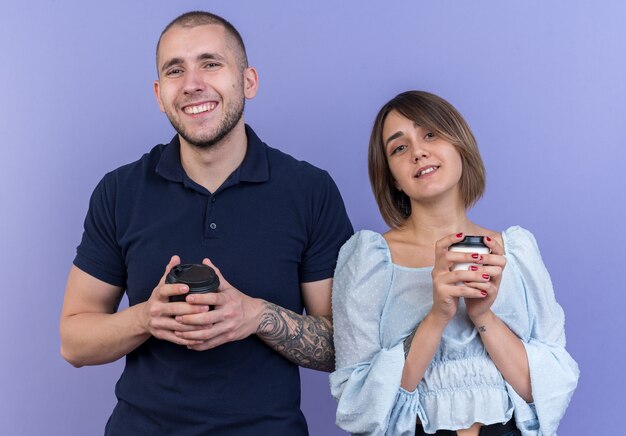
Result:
[274,223]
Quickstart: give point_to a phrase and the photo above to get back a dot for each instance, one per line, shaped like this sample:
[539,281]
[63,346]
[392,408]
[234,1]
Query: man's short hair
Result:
[201,18]
[437,115]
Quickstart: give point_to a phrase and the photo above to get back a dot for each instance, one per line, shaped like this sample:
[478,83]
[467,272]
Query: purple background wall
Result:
[541,83]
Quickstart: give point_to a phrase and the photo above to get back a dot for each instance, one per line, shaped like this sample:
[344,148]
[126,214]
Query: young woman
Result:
[422,348]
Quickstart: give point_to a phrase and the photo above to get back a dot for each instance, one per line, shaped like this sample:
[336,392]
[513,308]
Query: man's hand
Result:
[235,316]
[306,340]
[158,314]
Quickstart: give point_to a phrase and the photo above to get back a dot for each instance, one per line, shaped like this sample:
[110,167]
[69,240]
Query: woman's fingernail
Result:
[459,235]
[487,238]
[473,268]
[483,293]
[486,276]
[475,256]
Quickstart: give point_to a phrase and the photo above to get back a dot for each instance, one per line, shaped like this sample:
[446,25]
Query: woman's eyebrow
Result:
[396,135]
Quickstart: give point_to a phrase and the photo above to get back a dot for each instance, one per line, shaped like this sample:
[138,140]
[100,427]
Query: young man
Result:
[271,226]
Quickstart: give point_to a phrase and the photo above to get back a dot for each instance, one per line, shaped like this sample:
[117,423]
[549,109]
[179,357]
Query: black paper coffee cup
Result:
[199,277]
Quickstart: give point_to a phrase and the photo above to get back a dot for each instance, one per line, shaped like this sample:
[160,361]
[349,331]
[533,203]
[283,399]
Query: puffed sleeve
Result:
[367,379]
[553,372]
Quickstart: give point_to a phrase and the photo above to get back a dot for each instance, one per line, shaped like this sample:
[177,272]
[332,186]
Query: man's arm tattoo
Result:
[408,341]
[482,328]
[305,340]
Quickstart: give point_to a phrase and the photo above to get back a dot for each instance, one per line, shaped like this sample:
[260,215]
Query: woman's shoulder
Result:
[364,247]
[364,241]
[364,271]
[522,251]
[519,240]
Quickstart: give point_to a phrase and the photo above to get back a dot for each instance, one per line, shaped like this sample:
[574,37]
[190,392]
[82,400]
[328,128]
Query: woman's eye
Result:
[398,149]
[430,135]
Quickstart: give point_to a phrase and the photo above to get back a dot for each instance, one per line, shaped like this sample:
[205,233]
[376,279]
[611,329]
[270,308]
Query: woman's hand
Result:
[487,280]
[449,286]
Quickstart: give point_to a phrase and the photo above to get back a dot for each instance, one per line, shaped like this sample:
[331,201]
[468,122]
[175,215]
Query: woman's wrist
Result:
[482,321]
[436,320]
[433,325]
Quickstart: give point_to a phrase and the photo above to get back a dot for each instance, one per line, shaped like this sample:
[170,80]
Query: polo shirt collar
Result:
[254,167]
[169,166]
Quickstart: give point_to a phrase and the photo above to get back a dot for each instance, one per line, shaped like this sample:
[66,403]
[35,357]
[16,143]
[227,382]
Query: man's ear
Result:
[157,93]
[250,82]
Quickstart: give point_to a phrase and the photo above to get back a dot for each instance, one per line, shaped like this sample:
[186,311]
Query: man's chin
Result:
[202,142]
[205,143]
[209,139]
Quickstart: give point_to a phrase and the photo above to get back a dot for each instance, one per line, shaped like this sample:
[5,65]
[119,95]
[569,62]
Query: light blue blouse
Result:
[377,304]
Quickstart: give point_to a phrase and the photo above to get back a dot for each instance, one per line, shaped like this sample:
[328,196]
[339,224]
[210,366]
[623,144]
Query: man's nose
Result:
[193,82]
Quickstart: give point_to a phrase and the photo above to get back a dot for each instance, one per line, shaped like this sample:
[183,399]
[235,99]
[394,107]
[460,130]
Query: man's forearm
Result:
[97,338]
[305,340]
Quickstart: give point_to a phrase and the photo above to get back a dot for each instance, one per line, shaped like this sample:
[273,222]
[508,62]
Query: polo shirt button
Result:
[212,199]
[213,226]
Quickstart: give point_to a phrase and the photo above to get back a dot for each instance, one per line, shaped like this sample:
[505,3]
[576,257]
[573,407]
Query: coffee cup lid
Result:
[470,241]
[199,277]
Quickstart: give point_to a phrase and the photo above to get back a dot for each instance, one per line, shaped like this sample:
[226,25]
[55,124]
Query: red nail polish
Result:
[475,256]
[487,238]
[459,235]
[483,293]
[486,276]
[473,268]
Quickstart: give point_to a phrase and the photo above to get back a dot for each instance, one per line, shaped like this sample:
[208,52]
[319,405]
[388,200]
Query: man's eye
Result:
[174,72]
[398,149]
[212,65]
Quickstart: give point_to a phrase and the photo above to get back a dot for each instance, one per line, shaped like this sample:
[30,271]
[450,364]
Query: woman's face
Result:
[425,167]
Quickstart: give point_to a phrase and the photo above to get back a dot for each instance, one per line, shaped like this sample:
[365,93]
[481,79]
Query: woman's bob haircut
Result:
[437,115]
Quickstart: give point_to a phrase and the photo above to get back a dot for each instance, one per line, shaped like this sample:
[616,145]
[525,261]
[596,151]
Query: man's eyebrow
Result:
[171,62]
[200,57]
[210,56]
[396,135]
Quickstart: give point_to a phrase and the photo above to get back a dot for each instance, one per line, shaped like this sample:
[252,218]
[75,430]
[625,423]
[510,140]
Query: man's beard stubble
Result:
[226,125]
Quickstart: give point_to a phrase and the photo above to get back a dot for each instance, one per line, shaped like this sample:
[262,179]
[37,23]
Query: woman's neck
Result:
[428,223]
